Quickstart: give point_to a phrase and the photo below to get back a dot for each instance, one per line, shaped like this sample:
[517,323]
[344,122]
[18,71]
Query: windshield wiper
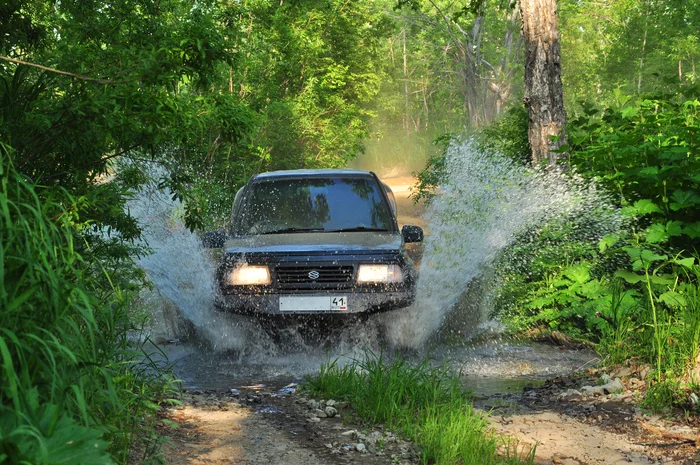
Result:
[357,228]
[293,230]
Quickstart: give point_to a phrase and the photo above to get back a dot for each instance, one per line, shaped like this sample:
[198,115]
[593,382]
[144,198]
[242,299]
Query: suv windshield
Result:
[314,205]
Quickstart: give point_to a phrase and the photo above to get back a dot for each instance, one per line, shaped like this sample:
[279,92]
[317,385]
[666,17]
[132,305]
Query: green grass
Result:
[72,391]
[425,404]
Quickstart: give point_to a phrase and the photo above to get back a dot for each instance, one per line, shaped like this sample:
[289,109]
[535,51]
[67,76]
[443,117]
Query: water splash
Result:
[483,205]
[181,271]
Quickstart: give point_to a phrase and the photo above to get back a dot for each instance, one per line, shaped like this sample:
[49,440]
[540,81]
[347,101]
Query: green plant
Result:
[426,403]
[69,371]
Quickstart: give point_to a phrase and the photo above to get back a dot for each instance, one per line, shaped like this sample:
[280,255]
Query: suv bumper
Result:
[269,304]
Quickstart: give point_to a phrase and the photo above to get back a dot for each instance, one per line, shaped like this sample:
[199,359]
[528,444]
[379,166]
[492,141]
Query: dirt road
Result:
[259,426]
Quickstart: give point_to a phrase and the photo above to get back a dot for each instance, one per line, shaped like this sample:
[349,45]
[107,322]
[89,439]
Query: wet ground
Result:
[489,366]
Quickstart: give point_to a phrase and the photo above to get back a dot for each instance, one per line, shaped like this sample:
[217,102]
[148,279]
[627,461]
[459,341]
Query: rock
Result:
[330,412]
[313,405]
[623,372]
[329,445]
[610,387]
[644,372]
[313,419]
[569,394]
[360,447]
[331,403]
[351,433]
[372,446]
[341,405]
[320,413]
[235,392]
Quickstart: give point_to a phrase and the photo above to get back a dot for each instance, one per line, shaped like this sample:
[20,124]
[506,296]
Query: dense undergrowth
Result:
[424,403]
[74,389]
[635,291]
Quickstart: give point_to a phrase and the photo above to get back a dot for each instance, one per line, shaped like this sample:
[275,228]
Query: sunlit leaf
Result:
[656,233]
[578,273]
[608,241]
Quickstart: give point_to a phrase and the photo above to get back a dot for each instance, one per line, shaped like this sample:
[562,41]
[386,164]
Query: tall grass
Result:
[70,386]
[424,403]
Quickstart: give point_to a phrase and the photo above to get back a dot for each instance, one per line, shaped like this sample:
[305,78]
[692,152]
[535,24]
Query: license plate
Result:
[313,303]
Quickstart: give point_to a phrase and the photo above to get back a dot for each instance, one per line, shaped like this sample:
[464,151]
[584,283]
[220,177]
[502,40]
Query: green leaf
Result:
[650,257]
[578,273]
[541,302]
[683,199]
[632,278]
[692,230]
[608,241]
[650,171]
[629,112]
[644,207]
[674,228]
[663,280]
[656,233]
[72,443]
[686,262]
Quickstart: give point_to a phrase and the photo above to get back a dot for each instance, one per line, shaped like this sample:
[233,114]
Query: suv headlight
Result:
[249,275]
[379,274]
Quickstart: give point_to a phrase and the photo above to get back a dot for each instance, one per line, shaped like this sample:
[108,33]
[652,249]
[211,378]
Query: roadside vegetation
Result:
[422,402]
[73,389]
[633,293]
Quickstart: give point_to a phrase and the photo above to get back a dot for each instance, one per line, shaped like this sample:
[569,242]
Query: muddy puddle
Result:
[488,367]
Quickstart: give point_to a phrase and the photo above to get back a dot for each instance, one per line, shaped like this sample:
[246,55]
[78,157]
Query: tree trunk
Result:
[543,89]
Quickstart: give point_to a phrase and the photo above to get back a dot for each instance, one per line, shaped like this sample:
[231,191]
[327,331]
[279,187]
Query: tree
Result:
[544,96]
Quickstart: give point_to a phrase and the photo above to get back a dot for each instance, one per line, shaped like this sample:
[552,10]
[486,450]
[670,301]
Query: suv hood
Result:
[339,242]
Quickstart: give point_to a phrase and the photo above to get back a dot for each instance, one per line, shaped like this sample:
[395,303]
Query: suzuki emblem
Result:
[314,274]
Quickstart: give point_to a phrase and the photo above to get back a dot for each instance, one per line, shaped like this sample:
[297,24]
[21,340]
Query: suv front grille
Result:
[303,277]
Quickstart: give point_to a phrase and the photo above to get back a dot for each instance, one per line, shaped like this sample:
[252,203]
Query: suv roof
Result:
[309,172]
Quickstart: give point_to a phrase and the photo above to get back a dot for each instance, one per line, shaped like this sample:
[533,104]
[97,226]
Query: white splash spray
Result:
[479,210]
[181,270]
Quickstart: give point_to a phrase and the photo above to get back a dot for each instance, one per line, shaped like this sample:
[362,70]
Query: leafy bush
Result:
[70,382]
[647,153]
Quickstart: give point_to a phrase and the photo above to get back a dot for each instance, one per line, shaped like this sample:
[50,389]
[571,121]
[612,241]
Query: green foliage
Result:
[634,292]
[627,47]
[425,403]
[507,135]
[69,374]
[648,154]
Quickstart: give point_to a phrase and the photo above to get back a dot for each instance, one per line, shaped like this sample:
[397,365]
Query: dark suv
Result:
[310,242]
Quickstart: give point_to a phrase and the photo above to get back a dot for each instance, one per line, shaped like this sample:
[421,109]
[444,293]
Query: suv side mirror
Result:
[214,239]
[412,233]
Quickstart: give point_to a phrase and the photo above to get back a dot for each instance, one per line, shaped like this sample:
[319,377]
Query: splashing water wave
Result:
[482,206]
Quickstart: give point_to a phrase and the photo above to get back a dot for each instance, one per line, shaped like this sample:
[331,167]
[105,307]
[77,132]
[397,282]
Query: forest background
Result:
[94,95]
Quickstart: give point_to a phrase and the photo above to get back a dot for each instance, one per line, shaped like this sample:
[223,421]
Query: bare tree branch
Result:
[58,71]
